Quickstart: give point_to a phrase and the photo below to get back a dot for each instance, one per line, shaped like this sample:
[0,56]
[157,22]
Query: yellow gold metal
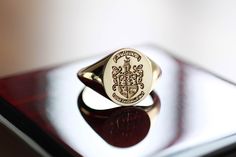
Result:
[125,77]
[152,110]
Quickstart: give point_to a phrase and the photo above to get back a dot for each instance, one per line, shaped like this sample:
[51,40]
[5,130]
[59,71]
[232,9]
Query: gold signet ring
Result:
[125,77]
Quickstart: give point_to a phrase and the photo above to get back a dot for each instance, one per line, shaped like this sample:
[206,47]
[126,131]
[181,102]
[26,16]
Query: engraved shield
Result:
[127,85]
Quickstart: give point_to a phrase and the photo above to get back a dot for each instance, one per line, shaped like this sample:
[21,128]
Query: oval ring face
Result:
[127,77]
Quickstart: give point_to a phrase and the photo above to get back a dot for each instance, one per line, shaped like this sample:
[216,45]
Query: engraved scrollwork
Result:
[139,71]
[115,72]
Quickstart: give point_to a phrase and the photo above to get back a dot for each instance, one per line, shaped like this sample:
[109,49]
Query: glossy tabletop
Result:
[194,108]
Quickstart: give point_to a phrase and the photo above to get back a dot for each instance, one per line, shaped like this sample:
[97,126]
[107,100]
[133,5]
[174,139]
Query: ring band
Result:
[125,77]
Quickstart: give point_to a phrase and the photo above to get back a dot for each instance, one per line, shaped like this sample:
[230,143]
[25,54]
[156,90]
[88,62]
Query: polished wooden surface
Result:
[11,145]
[196,108]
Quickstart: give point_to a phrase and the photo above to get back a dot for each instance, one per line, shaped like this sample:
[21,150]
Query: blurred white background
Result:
[40,33]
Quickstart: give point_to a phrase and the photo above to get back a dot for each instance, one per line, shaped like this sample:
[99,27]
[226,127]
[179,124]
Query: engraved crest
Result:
[127,80]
